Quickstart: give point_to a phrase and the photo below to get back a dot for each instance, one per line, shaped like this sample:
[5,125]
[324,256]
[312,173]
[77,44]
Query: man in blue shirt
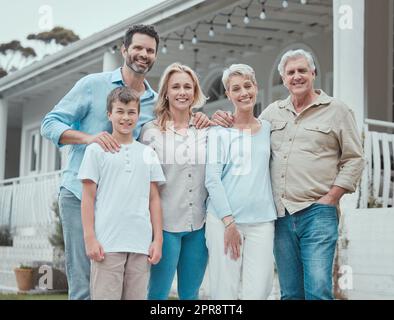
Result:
[80,119]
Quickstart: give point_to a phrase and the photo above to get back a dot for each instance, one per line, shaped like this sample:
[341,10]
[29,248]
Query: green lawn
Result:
[33,296]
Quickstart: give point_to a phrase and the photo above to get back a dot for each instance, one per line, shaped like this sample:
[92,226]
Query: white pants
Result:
[250,277]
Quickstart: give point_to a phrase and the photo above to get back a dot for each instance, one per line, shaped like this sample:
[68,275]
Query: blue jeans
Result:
[77,262]
[304,249]
[186,253]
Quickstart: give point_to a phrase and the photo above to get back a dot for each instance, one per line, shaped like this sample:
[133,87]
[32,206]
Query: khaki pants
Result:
[120,276]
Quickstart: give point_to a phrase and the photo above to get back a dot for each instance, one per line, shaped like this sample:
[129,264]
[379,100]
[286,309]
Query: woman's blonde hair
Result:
[162,108]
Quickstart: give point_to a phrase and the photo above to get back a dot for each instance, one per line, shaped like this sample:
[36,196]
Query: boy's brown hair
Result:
[123,95]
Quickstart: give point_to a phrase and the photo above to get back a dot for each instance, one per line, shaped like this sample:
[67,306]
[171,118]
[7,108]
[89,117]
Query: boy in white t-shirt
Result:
[121,206]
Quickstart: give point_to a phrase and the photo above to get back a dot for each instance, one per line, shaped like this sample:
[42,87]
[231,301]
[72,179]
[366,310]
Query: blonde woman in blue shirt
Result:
[240,206]
[182,151]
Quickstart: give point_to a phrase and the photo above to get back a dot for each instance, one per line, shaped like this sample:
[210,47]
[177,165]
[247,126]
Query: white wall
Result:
[35,109]
[33,112]
[366,249]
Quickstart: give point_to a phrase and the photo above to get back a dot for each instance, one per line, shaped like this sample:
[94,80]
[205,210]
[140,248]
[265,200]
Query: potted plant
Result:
[24,277]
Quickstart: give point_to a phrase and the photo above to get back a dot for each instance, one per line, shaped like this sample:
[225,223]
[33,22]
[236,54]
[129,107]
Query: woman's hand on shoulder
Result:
[201,120]
[223,119]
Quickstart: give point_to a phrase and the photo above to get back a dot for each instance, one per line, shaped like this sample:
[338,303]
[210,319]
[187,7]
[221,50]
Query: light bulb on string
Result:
[285,4]
[228,24]
[181,45]
[211,32]
[164,49]
[194,39]
[246,18]
[304,1]
[263,16]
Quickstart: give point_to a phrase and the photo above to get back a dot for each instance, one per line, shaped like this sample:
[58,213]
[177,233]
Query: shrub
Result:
[5,236]
[56,239]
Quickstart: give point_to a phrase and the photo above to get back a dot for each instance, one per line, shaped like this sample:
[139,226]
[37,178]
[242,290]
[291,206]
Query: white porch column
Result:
[111,61]
[3,135]
[349,57]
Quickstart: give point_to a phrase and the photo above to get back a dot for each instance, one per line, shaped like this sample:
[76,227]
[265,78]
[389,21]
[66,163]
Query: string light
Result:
[246,18]
[263,15]
[228,24]
[181,45]
[194,39]
[211,32]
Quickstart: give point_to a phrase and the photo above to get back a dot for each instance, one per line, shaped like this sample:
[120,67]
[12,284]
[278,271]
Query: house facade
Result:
[352,42]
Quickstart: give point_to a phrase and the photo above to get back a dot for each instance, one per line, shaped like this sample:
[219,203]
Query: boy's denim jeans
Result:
[304,249]
[77,262]
[185,253]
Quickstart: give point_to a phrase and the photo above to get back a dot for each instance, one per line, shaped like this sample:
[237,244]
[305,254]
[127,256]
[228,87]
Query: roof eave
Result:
[151,16]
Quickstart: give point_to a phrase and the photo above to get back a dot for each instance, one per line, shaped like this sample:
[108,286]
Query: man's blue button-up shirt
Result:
[84,109]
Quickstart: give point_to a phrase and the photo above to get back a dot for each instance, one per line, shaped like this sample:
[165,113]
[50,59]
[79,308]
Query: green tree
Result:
[53,40]
[3,73]
[14,56]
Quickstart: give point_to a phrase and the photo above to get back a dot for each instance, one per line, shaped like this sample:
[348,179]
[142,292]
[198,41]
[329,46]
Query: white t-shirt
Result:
[121,215]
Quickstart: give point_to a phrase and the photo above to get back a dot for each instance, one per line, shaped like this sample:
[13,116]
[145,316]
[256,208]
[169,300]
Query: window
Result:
[34,155]
[216,90]
[58,160]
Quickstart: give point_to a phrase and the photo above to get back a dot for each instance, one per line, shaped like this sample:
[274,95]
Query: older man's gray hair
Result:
[291,54]
[238,70]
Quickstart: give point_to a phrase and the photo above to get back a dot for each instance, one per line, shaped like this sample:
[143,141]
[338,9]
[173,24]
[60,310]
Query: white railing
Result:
[27,201]
[377,183]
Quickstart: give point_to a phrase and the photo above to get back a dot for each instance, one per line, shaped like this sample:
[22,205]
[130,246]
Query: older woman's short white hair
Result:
[238,70]
[291,54]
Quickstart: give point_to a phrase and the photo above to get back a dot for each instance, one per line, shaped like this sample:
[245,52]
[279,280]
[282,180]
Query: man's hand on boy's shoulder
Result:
[106,141]
[201,120]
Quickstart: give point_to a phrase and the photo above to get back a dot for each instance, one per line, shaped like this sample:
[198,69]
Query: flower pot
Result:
[24,279]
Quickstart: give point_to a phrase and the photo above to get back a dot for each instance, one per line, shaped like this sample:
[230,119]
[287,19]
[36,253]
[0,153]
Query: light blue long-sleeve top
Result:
[84,108]
[238,176]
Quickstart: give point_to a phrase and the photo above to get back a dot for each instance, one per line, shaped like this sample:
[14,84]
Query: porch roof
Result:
[93,45]
[180,20]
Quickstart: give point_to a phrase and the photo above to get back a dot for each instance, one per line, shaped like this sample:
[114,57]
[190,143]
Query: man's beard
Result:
[130,63]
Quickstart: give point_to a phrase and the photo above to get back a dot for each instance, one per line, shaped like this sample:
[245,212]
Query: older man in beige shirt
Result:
[316,159]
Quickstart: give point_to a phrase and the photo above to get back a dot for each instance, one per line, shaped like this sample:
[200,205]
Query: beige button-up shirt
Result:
[312,151]
[182,158]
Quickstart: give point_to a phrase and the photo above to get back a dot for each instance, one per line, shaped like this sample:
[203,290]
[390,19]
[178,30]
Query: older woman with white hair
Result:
[316,157]
[240,206]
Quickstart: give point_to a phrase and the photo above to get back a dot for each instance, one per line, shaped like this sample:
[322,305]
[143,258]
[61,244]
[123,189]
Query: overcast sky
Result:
[18,18]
